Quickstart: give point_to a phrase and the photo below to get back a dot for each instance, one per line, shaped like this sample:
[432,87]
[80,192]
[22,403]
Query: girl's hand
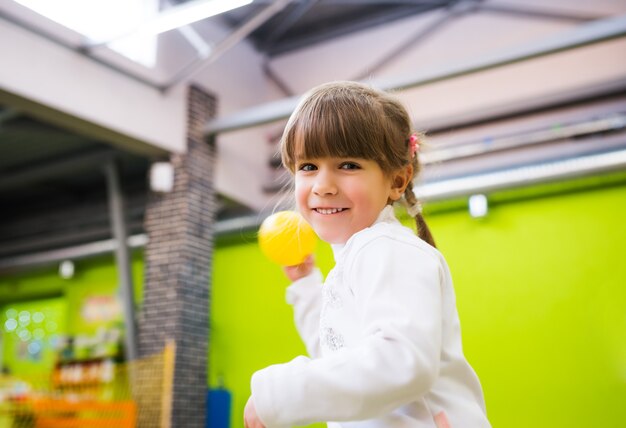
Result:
[297,272]
[250,418]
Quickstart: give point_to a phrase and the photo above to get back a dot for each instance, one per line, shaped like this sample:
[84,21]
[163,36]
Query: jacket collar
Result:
[387,215]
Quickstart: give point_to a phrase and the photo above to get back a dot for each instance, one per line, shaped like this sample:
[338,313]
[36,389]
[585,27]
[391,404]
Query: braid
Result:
[422,228]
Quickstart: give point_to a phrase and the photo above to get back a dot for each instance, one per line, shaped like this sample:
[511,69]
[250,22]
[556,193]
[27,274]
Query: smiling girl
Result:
[382,331]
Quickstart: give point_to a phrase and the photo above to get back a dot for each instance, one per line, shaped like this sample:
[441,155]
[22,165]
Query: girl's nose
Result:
[324,184]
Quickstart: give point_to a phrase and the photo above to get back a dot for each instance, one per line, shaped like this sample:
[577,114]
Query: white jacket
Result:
[384,335]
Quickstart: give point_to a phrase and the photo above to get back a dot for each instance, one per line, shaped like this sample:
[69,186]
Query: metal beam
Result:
[583,35]
[361,23]
[451,13]
[77,252]
[235,37]
[610,122]
[523,176]
[537,13]
[549,100]
[122,256]
[51,238]
[294,16]
[54,169]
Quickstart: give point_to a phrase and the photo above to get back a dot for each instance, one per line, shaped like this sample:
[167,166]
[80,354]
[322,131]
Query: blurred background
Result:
[138,156]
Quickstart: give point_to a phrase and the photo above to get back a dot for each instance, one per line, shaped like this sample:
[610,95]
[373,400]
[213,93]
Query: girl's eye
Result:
[350,165]
[307,167]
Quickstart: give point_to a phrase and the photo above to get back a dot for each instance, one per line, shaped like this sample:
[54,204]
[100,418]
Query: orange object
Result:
[52,413]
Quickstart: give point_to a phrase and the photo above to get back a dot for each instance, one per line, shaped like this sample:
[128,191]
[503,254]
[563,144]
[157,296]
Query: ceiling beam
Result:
[352,25]
[294,16]
[537,13]
[12,264]
[547,101]
[524,176]
[234,38]
[71,165]
[583,35]
[450,14]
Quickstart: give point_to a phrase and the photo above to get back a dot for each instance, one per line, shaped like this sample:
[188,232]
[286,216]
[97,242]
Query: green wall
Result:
[541,295]
[541,292]
[60,300]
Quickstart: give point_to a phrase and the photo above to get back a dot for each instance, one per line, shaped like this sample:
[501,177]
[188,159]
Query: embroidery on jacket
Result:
[333,340]
[331,298]
[329,337]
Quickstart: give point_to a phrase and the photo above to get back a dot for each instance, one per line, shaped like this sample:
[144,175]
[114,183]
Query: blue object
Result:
[218,404]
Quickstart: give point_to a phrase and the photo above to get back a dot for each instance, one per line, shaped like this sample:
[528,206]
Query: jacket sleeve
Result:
[397,288]
[305,296]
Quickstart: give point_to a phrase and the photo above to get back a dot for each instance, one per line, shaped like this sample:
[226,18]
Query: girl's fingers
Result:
[297,272]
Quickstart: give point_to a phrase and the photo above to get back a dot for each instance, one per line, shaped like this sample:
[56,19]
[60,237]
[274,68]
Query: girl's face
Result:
[341,196]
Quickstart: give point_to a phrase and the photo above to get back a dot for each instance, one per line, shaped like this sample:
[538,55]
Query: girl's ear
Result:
[400,179]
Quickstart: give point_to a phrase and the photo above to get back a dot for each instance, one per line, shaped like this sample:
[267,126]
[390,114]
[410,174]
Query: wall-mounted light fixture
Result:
[478,205]
[66,269]
[162,177]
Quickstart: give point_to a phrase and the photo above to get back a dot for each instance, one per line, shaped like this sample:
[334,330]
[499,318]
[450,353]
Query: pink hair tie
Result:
[414,144]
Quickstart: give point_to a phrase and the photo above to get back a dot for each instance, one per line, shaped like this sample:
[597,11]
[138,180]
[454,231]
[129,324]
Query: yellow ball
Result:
[286,238]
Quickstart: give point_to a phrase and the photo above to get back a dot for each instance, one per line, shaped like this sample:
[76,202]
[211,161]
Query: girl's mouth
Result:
[327,211]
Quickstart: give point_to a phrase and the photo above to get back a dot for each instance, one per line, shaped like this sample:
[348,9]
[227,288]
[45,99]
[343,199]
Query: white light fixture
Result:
[478,206]
[66,269]
[162,177]
[180,16]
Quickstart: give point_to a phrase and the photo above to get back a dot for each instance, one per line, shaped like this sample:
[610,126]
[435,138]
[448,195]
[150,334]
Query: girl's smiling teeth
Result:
[327,211]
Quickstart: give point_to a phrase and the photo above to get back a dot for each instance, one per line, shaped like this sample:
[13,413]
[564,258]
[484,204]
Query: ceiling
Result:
[306,22]
[53,190]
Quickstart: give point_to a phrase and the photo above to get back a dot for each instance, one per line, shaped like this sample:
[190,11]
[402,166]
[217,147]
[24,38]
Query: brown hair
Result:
[349,119]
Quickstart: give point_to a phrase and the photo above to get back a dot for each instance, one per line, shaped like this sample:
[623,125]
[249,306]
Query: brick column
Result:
[178,259]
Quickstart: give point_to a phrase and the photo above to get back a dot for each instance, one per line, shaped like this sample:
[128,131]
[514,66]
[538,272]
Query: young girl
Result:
[382,331]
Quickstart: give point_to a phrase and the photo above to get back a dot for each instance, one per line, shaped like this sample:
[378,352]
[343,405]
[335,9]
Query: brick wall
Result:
[178,259]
